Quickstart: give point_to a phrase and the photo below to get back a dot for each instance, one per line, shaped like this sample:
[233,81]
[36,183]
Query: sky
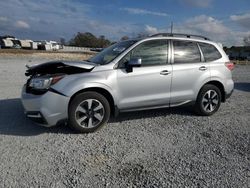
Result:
[225,21]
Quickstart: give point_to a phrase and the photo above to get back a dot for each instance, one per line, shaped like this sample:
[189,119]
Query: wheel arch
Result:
[101,91]
[219,85]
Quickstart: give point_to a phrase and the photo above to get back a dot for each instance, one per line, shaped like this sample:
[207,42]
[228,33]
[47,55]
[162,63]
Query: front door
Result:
[149,85]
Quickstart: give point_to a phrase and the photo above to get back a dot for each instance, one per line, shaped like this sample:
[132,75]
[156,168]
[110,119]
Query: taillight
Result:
[230,65]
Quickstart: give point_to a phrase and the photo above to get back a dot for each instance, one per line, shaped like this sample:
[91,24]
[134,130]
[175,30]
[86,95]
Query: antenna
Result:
[172,26]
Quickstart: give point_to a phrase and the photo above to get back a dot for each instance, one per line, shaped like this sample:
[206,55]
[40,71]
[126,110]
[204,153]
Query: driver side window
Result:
[153,52]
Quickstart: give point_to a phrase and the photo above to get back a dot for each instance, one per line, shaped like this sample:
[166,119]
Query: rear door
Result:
[190,71]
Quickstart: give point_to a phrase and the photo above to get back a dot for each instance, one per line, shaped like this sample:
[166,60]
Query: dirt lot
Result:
[51,55]
[157,148]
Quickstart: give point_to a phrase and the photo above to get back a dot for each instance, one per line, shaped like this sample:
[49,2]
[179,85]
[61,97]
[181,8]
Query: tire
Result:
[208,100]
[88,112]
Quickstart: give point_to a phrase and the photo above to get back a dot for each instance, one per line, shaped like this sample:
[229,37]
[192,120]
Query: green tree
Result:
[89,40]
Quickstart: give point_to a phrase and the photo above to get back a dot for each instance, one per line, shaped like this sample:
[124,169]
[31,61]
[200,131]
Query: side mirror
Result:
[135,62]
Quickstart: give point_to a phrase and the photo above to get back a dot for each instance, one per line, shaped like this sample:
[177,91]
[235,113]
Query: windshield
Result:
[110,53]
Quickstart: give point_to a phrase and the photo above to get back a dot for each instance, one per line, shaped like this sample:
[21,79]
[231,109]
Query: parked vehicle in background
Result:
[164,70]
[96,49]
[16,46]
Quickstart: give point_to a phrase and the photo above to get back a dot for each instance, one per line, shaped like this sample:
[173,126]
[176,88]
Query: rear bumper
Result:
[48,109]
[228,95]
[229,88]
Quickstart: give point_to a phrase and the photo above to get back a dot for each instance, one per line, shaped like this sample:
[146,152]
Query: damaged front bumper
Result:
[48,109]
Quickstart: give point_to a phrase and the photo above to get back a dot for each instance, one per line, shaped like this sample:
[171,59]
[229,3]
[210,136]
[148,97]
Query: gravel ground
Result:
[157,148]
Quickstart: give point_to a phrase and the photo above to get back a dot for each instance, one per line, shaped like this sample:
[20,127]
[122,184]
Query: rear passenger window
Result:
[186,52]
[210,53]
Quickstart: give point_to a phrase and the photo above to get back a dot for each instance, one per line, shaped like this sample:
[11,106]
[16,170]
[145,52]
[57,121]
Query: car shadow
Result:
[242,86]
[14,122]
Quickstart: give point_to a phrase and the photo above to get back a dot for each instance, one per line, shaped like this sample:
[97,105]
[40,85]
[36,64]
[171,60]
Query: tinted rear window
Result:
[210,53]
[186,52]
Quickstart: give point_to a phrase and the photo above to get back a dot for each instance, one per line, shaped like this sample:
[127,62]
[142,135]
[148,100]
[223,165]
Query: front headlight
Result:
[40,83]
[43,83]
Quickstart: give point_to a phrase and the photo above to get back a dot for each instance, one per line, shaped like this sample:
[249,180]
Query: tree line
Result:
[87,39]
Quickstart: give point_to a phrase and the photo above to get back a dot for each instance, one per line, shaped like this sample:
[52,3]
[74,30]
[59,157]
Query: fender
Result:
[94,85]
[71,86]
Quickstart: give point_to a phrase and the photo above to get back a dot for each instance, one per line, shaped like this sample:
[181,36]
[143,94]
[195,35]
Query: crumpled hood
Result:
[55,67]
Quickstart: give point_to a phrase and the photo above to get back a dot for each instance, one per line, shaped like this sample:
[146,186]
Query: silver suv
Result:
[164,70]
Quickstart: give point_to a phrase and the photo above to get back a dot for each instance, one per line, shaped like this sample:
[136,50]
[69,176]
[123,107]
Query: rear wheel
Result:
[88,111]
[208,100]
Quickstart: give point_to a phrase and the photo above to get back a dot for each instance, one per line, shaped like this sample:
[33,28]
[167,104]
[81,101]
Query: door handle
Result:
[165,72]
[203,68]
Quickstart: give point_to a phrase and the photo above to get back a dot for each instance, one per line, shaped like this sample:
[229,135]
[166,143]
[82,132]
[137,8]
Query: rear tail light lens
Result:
[230,65]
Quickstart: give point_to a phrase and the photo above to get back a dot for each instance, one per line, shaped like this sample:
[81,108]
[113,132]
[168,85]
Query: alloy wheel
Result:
[89,113]
[210,100]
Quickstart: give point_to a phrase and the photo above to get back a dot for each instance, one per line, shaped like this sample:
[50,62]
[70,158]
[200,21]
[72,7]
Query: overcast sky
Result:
[226,21]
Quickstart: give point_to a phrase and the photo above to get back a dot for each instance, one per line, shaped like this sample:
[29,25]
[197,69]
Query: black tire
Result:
[82,99]
[200,105]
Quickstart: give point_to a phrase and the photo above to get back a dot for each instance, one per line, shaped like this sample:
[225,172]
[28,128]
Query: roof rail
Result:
[179,35]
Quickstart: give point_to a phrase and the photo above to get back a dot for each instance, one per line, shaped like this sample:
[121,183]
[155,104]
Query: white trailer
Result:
[25,44]
[6,43]
[54,45]
[34,45]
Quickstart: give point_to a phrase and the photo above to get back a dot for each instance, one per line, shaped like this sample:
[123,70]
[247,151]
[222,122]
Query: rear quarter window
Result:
[210,53]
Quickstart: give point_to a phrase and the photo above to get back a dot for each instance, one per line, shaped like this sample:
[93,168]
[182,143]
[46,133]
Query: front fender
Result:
[72,85]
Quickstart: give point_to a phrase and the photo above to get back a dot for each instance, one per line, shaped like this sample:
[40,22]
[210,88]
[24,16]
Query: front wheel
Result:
[208,100]
[88,111]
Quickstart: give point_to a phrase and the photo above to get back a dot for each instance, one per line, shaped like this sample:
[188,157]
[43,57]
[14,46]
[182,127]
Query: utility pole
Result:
[172,26]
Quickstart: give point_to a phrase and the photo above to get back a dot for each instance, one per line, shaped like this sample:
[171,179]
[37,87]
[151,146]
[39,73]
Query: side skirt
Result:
[185,103]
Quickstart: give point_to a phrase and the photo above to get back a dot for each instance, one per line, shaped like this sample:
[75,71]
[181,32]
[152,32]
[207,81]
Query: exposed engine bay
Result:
[42,76]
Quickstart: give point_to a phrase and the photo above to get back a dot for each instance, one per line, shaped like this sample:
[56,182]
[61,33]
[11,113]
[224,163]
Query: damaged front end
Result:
[43,76]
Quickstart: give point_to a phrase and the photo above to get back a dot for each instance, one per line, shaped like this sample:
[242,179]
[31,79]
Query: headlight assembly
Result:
[43,83]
